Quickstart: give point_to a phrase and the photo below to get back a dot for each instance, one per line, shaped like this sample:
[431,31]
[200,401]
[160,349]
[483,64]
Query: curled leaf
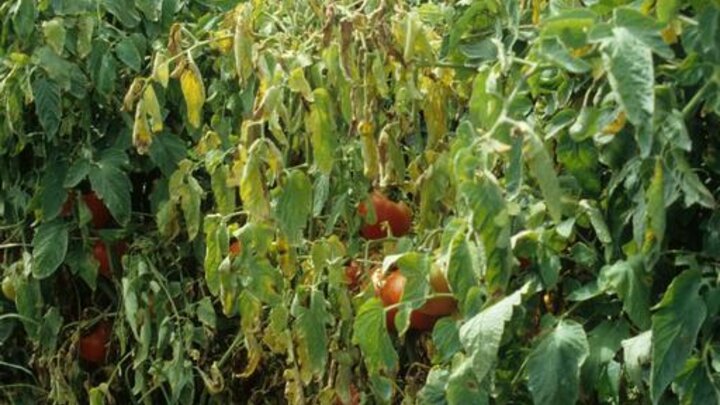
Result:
[153,108]
[142,138]
[194,92]
[161,69]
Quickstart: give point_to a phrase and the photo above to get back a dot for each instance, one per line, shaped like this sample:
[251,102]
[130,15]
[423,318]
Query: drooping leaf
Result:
[628,281]
[311,336]
[370,333]
[294,205]
[322,131]
[675,326]
[112,185]
[541,167]
[48,105]
[631,74]
[50,246]
[193,90]
[481,334]
[554,364]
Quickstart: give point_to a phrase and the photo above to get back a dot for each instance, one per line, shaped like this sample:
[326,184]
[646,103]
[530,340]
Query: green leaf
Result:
[23,18]
[628,281]
[693,385]
[129,54]
[604,342]
[631,74]
[29,303]
[675,327]
[433,392]
[541,166]
[53,193]
[310,335]
[370,333]
[54,32]
[463,269]
[167,150]
[481,334]
[555,52]
[206,313]
[484,105]
[667,10]
[554,364]
[50,329]
[322,130]
[86,27]
[294,205]
[106,75]
[643,28]
[216,244]
[655,209]
[48,105]
[112,185]
[150,8]
[124,11]
[446,338]
[50,246]
[490,220]
[190,199]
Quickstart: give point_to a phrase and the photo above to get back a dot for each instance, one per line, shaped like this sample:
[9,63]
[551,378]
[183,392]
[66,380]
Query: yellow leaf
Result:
[161,69]
[142,138]
[194,93]
[132,94]
[369,149]
[242,42]
[153,108]
[298,83]
[617,124]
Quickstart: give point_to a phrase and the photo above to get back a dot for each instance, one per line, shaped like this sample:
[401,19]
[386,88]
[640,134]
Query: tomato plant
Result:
[544,182]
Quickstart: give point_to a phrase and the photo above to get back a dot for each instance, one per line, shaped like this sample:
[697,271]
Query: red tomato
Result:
[235,248]
[68,204]
[93,346]
[100,213]
[100,254]
[439,306]
[390,290]
[397,216]
[352,275]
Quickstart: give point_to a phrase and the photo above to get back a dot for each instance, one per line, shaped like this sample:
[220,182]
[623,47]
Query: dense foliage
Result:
[188,193]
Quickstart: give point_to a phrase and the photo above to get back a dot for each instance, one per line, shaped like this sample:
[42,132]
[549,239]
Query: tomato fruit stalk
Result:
[397,216]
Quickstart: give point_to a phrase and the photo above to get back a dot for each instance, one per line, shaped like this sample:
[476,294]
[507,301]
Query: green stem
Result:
[697,98]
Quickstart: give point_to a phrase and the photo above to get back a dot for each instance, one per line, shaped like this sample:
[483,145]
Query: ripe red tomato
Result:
[397,216]
[100,254]
[352,275]
[100,213]
[68,205]
[390,290]
[93,346]
[439,306]
[235,248]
